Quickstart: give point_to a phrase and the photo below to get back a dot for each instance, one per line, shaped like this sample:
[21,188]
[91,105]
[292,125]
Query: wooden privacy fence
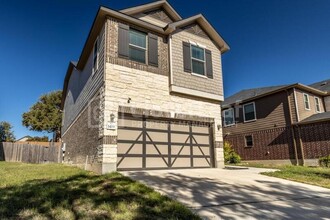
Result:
[31,153]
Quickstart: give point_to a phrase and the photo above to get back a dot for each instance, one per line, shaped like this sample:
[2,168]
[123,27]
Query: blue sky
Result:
[272,42]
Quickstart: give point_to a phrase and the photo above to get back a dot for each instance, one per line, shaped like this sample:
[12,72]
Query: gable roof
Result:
[152,6]
[252,94]
[323,85]
[204,24]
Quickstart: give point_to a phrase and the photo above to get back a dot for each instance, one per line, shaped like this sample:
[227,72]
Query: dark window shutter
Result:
[123,40]
[153,50]
[186,57]
[209,67]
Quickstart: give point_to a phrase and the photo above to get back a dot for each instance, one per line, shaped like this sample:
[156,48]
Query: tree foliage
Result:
[45,115]
[38,139]
[6,133]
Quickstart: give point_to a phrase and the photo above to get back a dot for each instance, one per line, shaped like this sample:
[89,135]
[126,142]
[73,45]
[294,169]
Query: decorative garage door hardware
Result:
[170,145]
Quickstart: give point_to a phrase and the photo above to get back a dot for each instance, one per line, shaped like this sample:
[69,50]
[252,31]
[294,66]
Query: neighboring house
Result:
[145,93]
[278,124]
[23,139]
[324,86]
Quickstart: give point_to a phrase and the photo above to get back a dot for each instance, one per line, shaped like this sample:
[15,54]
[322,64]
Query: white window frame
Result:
[317,103]
[255,113]
[246,141]
[224,117]
[309,103]
[96,67]
[138,47]
[193,58]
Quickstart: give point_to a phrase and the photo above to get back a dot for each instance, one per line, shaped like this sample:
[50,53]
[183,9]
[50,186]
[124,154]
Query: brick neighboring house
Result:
[288,124]
[145,93]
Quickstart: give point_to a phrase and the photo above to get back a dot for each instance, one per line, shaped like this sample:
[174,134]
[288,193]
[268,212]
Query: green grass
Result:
[54,191]
[318,176]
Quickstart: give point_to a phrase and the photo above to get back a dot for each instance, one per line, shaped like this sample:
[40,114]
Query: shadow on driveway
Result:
[237,194]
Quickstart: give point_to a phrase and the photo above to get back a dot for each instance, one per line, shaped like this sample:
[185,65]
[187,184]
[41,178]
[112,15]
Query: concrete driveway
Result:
[239,193]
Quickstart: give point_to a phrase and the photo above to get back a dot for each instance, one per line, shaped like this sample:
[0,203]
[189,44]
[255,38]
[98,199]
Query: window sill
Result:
[226,126]
[248,146]
[250,121]
[196,74]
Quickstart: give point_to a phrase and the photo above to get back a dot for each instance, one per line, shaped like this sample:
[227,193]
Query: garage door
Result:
[159,144]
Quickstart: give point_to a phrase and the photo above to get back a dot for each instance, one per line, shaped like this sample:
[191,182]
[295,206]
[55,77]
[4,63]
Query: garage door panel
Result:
[129,135]
[157,125]
[129,162]
[130,122]
[157,136]
[151,149]
[198,129]
[201,162]
[128,148]
[180,138]
[182,150]
[181,162]
[201,151]
[154,162]
[201,139]
[179,127]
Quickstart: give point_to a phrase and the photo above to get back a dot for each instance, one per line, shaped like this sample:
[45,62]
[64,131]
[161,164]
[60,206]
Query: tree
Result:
[45,115]
[6,133]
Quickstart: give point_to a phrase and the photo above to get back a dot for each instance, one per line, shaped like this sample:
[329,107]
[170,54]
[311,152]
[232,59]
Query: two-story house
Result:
[145,93]
[288,124]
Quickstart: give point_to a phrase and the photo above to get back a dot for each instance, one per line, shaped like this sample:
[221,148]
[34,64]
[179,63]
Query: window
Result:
[317,104]
[249,112]
[198,60]
[137,46]
[229,117]
[248,141]
[306,101]
[96,56]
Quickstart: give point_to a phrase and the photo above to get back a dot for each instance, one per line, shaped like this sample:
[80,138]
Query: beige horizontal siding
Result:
[271,111]
[187,80]
[304,113]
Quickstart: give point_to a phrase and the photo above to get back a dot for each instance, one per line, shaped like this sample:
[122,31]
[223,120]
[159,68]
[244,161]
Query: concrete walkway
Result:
[239,193]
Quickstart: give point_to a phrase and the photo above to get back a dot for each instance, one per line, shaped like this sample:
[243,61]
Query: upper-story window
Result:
[306,102]
[137,46]
[96,56]
[198,60]
[317,104]
[249,112]
[228,116]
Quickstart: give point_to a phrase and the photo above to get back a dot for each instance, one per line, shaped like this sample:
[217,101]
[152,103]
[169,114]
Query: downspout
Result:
[170,58]
[296,104]
[292,130]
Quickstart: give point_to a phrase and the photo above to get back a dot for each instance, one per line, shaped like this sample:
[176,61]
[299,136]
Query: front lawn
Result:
[55,191]
[312,175]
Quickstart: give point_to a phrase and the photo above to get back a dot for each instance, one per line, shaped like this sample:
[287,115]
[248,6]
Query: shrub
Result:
[230,155]
[324,161]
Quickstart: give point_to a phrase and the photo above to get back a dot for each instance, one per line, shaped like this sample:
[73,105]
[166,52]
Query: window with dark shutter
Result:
[186,57]
[153,50]
[123,41]
[137,46]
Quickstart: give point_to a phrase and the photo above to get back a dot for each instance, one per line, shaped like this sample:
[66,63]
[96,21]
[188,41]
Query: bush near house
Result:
[230,155]
[324,161]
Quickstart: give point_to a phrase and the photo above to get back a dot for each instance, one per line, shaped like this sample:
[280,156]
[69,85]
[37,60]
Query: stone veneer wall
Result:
[148,90]
[82,138]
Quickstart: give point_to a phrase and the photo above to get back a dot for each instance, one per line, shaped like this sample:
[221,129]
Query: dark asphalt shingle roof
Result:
[325,116]
[323,85]
[250,93]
